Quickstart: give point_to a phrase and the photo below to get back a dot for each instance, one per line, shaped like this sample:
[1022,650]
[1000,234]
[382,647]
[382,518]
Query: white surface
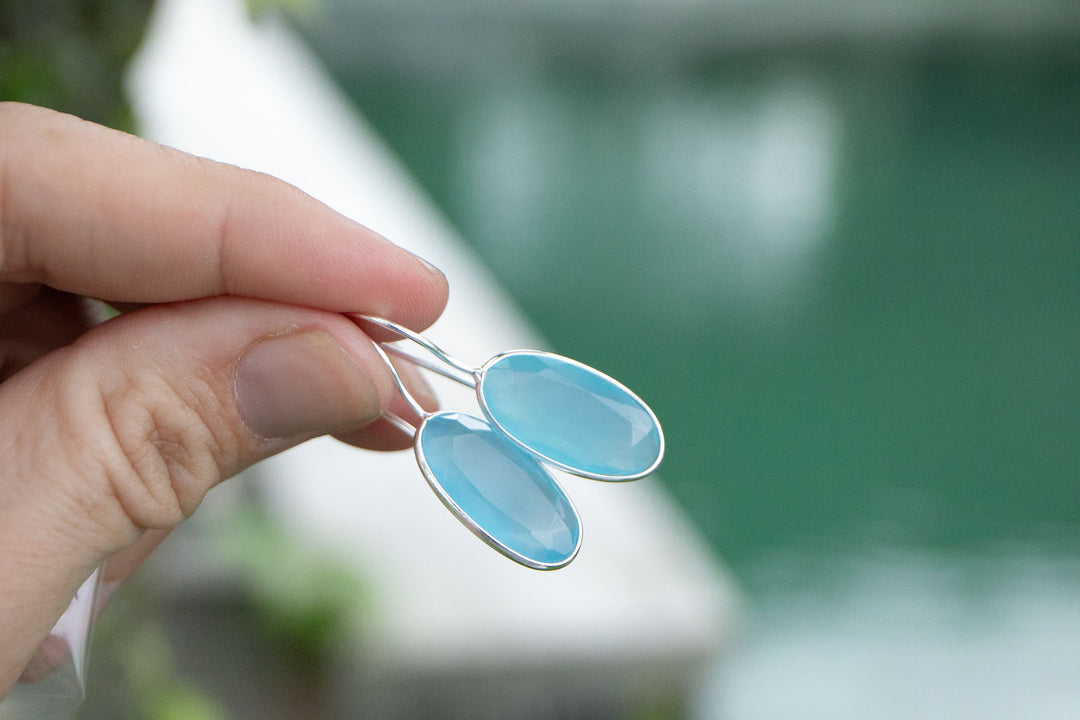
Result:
[644,585]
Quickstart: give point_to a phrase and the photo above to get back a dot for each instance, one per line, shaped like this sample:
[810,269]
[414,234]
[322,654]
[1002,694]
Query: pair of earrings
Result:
[539,410]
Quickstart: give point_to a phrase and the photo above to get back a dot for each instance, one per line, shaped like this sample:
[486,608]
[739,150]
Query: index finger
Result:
[98,212]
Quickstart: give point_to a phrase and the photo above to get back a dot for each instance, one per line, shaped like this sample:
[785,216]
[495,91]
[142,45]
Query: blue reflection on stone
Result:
[572,415]
[500,488]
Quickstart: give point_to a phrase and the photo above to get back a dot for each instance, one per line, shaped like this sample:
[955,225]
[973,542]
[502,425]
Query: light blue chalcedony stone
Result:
[496,488]
[571,415]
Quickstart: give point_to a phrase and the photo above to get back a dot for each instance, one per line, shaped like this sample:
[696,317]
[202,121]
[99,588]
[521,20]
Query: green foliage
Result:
[296,599]
[156,690]
[184,702]
[70,55]
[303,597]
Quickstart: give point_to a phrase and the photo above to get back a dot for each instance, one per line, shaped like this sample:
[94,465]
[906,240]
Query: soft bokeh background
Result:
[842,260]
[836,245]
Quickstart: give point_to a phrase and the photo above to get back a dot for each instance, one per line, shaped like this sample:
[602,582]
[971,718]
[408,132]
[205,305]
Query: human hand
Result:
[232,347]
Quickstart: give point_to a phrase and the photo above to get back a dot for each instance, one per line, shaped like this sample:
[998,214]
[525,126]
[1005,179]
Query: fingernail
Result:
[303,384]
[434,270]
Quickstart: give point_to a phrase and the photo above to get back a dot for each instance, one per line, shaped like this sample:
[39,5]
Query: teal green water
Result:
[850,289]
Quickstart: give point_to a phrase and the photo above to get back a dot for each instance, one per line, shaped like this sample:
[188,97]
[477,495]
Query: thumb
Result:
[129,427]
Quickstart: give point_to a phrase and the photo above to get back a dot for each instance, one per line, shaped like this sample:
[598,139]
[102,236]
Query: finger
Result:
[97,212]
[126,430]
[54,649]
[50,655]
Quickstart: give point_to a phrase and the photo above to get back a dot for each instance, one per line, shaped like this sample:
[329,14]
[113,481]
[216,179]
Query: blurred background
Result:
[835,245]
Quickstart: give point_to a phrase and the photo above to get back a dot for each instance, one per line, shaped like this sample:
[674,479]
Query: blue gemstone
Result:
[571,415]
[499,491]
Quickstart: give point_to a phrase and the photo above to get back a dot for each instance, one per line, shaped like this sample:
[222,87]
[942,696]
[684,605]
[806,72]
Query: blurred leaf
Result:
[304,597]
[70,55]
[184,702]
[158,692]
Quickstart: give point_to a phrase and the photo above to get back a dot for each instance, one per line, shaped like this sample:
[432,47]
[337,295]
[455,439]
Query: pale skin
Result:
[233,345]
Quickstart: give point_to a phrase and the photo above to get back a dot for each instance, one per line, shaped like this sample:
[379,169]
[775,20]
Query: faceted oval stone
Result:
[499,491]
[571,415]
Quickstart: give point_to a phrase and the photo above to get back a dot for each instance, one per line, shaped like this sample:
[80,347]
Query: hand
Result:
[231,346]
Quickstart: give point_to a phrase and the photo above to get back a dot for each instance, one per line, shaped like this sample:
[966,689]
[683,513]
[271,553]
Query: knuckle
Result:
[15,118]
[165,455]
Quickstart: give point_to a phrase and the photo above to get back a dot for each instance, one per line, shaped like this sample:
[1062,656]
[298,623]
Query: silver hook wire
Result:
[414,405]
[452,368]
